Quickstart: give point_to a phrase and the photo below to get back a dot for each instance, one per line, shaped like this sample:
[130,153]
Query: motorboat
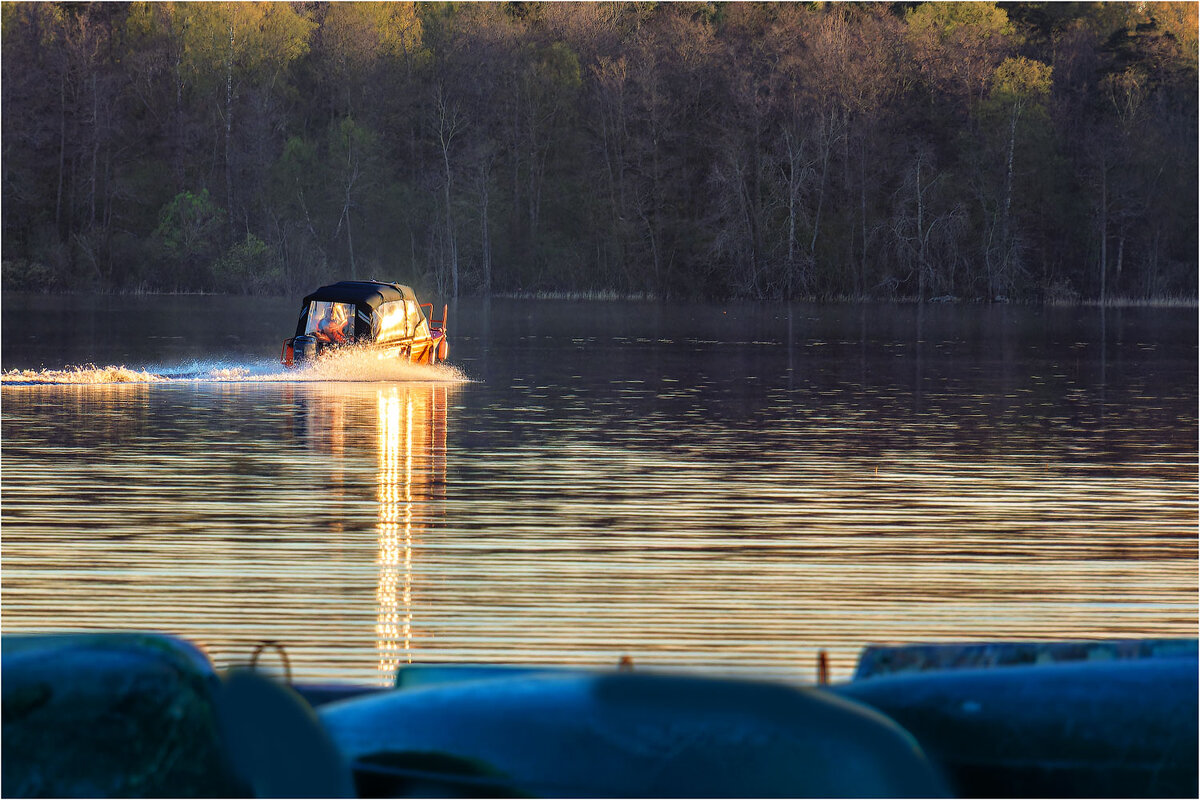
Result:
[385,317]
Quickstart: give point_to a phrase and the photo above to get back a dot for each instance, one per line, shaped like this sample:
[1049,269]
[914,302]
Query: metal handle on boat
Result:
[278,647]
[437,324]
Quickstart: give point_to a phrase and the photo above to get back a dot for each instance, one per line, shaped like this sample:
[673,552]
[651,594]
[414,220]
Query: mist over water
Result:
[726,489]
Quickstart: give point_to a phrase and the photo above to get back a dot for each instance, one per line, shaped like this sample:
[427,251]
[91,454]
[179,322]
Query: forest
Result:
[1034,152]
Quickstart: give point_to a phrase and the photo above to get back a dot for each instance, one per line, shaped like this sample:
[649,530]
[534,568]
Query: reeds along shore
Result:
[770,151]
[612,295]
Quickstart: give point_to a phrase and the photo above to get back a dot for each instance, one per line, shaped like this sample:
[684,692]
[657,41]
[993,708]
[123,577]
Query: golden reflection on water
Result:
[407,420]
[392,478]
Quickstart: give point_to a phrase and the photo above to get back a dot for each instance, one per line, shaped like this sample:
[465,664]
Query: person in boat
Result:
[334,324]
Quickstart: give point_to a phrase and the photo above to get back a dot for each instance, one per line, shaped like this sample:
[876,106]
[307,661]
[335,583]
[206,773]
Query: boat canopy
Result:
[366,298]
[369,294]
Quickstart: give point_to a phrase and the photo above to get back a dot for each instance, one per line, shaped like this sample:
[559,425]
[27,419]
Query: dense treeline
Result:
[1035,150]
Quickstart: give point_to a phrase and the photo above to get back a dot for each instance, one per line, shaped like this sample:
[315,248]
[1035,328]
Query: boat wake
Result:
[346,366]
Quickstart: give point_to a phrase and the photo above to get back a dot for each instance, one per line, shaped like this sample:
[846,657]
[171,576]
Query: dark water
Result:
[729,488]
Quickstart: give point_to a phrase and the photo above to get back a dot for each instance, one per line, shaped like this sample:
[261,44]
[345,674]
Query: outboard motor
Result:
[305,349]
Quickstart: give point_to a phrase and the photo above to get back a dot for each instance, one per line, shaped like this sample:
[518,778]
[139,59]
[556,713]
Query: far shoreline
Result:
[613,296]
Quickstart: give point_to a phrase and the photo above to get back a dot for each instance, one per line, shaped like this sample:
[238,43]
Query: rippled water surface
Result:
[730,488]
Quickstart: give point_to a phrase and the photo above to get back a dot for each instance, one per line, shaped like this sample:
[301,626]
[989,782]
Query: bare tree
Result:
[449,123]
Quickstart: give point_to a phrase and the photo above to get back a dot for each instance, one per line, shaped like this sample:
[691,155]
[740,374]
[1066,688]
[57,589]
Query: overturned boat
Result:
[386,317]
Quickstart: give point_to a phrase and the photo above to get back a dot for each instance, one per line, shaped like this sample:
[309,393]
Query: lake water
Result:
[727,488]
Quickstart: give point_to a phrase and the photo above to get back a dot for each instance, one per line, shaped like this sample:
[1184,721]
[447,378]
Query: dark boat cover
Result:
[367,294]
